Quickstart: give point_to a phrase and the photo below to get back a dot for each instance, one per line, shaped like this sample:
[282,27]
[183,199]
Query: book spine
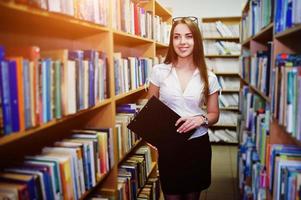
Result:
[14,96]
[5,97]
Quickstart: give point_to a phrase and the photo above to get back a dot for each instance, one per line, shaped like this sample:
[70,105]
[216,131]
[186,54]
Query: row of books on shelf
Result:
[161,30]
[228,100]
[134,172]
[126,139]
[264,167]
[219,29]
[131,72]
[66,170]
[287,14]
[227,118]
[281,176]
[212,47]
[221,65]
[255,121]
[130,17]
[286,95]
[38,86]
[96,11]
[229,83]
[222,135]
[258,16]
[284,14]
[256,69]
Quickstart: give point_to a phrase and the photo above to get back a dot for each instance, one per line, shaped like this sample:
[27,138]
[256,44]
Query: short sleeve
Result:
[155,75]
[213,84]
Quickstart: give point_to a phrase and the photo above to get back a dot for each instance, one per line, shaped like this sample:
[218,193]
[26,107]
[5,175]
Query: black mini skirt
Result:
[185,166]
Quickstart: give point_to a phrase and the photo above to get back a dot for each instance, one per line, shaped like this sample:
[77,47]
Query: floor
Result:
[224,174]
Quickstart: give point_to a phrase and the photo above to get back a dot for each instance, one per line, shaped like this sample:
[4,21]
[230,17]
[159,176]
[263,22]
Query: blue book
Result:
[279,149]
[5,98]
[117,76]
[92,58]
[44,90]
[47,177]
[42,172]
[38,178]
[78,57]
[289,12]
[56,172]
[28,180]
[125,110]
[27,96]
[13,87]
[277,16]
[49,99]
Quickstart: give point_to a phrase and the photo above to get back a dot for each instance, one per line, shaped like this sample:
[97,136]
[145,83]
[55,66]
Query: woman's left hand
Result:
[189,123]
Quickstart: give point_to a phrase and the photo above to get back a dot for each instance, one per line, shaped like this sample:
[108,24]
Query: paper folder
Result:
[155,123]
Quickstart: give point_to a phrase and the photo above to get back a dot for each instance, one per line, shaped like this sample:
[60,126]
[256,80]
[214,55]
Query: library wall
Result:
[204,8]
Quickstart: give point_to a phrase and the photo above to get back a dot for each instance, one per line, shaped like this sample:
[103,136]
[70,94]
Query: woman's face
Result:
[183,41]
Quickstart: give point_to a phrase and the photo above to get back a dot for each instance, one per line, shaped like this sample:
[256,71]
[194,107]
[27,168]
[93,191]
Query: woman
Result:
[183,83]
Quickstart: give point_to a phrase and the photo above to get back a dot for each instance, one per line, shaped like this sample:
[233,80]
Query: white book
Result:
[89,154]
[80,164]
[71,153]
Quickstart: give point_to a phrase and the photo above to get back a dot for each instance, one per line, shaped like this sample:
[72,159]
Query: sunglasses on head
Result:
[192,18]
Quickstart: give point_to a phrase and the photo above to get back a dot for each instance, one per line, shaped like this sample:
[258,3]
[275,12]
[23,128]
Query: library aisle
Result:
[224,174]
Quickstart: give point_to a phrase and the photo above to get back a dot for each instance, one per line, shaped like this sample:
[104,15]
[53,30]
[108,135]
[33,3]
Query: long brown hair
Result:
[198,51]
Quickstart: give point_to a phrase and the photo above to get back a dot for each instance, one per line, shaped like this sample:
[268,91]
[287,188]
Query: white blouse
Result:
[187,103]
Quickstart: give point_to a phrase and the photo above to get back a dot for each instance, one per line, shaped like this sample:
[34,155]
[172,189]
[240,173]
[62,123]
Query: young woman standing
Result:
[184,84]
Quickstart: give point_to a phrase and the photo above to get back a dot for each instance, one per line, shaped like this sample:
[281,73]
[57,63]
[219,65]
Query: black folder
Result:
[155,123]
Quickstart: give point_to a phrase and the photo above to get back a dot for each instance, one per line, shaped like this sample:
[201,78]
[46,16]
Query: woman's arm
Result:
[196,121]
[153,90]
[212,109]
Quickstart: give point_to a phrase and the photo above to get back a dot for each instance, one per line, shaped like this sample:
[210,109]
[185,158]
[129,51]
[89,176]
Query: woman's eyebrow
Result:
[181,34]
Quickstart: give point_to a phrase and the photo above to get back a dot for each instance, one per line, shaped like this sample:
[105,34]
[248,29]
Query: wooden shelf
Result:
[127,39]
[229,108]
[222,56]
[34,21]
[162,11]
[267,99]
[102,178]
[35,130]
[121,96]
[222,38]
[224,126]
[161,45]
[265,35]
[281,136]
[229,90]
[226,73]
[226,20]
[224,143]
[289,33]
[247,42]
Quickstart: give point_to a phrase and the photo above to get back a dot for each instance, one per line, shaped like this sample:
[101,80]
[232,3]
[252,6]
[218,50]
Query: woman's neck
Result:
[186,62]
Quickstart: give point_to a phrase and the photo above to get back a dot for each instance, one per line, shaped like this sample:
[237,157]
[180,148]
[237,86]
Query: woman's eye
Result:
[189,36]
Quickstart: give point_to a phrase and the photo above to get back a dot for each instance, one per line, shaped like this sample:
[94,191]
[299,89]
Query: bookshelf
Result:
[265,125]
[221,43]
[23,25]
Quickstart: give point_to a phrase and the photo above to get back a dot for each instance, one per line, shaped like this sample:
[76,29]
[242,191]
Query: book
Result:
[155,123]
